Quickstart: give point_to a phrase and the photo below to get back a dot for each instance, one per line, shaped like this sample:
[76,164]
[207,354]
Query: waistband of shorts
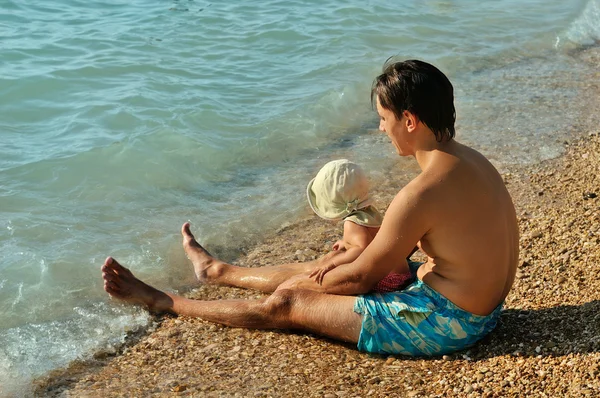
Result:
[440,301]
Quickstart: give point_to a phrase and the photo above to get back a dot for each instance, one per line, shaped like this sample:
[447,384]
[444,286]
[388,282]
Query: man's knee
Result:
[280,303]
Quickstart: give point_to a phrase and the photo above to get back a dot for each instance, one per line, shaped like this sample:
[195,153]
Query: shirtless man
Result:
[457,210]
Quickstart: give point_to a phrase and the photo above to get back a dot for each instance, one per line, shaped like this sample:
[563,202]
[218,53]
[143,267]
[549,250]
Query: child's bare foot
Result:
[206,267]
[119,282]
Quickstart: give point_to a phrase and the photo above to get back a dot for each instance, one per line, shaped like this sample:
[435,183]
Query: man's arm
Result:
[406,221]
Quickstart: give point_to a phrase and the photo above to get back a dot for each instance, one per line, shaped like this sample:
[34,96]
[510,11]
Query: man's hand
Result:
[319,273]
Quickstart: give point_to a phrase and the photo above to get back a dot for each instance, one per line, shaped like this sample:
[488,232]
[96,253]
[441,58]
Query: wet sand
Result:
[547,343]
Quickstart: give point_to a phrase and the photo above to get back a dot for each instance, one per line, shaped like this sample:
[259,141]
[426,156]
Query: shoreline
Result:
[547,341]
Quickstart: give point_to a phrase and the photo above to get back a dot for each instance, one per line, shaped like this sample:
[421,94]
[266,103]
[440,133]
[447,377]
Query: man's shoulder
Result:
[416,195]
[423,185]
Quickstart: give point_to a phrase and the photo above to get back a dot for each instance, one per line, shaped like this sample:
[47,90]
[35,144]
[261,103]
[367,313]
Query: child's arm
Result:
[339,258]
[356,238]
[357,235]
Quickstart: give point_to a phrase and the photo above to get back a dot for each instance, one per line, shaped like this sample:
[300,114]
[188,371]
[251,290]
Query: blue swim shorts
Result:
[418,321]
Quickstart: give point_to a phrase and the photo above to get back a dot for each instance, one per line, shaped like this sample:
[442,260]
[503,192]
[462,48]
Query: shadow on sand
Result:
[555,331]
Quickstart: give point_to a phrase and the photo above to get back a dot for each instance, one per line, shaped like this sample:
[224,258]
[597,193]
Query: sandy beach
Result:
[547,343]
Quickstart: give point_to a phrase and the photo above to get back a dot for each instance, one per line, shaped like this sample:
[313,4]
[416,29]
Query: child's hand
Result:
[339,245]
[319,273]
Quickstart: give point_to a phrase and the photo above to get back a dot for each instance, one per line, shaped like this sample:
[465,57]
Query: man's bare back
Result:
[472,246]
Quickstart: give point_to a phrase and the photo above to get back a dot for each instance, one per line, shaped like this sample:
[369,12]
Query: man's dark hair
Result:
[420,88]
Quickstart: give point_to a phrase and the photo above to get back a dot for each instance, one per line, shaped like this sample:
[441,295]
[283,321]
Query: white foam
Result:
[585,30]
[31,350]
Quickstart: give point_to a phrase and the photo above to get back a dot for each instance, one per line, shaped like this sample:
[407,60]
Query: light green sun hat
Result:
[340,191]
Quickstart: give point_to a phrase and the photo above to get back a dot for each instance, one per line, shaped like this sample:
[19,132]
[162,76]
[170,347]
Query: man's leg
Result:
[266,279]
[324,314]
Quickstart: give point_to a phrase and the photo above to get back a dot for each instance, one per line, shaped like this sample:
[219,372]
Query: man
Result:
[457,210]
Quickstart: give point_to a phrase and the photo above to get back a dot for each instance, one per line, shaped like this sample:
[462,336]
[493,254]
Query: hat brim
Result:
[367,217]
[312,201]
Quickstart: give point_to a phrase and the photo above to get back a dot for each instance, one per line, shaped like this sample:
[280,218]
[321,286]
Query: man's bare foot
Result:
[120,283]
[206,267]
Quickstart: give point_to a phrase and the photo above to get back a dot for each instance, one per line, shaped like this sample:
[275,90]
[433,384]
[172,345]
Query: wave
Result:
[585,29]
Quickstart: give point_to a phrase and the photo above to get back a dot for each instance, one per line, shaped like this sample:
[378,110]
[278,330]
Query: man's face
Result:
[389,124]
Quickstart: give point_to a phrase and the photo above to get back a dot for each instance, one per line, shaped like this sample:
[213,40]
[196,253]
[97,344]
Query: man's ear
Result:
[411,120]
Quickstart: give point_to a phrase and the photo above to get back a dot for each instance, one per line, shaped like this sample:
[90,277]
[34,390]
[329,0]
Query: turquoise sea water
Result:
[119,121]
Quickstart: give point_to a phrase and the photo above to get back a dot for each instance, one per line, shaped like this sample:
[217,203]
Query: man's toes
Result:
[111,287]
[186,231]
[109,276]
[107,270]
[110,265]
[114,265]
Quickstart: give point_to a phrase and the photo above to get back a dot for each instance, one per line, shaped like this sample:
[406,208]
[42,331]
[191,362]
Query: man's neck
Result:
[429,148]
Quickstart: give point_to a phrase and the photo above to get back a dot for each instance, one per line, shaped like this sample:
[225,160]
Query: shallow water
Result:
[120,122]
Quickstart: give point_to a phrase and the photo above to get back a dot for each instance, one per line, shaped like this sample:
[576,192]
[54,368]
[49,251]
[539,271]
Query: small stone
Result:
[542,373]
[469,389]
[179,388]
[209,347]
[374,380]
[390,360]
[446,357]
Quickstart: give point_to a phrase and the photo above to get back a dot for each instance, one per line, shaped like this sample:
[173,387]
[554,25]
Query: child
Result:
[340,191]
